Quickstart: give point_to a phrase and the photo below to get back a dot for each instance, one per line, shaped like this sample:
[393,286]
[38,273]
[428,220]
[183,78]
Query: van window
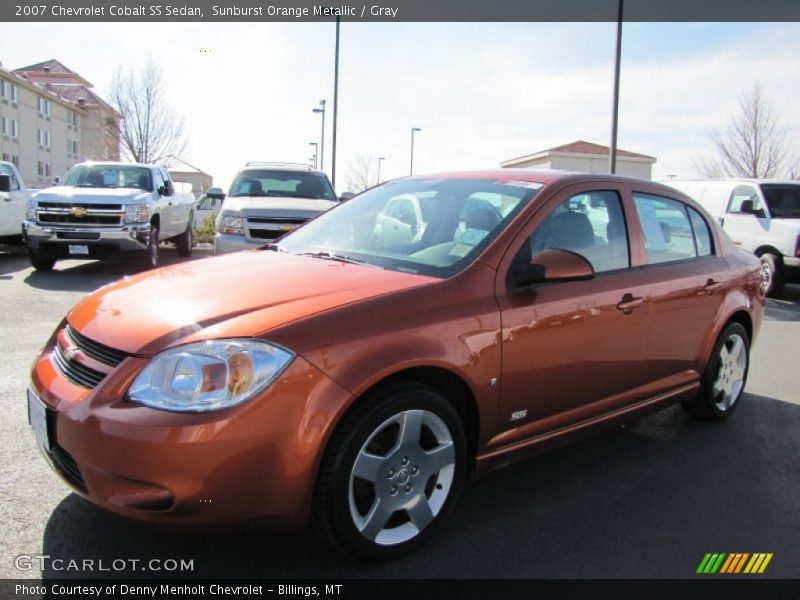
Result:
[783,199]
[739,195]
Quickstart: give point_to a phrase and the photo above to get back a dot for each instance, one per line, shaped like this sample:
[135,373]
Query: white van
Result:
[760,215]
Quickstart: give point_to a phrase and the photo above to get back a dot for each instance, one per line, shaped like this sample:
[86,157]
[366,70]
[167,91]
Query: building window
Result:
[6,157]
[15,160]
[73,119]
[72,147]
[43,138]
[4,129]
[13,92]
[44,106]
[3,88]
[14,128]
[43,168]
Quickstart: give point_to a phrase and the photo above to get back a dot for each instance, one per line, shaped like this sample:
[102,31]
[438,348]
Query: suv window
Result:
[668,233]
[282,183]
[591,224]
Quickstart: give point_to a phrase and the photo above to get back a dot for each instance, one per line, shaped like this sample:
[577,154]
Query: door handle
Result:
[629,302]
[712,286]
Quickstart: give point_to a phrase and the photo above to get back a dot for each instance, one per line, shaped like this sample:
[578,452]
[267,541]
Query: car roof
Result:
[735,180]
[544,176]
[279,166]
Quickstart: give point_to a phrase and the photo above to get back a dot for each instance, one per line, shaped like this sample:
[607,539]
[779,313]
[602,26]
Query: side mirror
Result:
[346,196]
[748,208]
[215,193]
[5,183]
[551,265]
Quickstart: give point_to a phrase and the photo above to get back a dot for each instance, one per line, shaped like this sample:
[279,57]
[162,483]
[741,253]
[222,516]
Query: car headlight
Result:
[30,210]
[234,225]
[137,213]
[208,376]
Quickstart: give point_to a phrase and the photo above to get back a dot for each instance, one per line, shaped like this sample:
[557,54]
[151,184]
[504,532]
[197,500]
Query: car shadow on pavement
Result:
[785,308]
[648,500]
[12,260]
[86,276]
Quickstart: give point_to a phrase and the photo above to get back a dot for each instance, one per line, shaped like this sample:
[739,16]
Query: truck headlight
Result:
[137,213]
[233,225]
[208,376]
[30,209]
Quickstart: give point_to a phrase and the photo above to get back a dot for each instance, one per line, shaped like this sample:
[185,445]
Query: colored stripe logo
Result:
[737,562]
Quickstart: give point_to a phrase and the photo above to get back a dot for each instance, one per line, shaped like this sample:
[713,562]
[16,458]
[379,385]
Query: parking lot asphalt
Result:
[648,500]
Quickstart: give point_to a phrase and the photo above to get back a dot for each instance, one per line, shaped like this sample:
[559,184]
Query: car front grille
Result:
[57,213]
[271,228]
[67,467]
[77,373]
[99,352]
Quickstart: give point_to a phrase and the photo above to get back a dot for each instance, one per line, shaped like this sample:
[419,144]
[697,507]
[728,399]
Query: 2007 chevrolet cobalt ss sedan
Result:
[336,378]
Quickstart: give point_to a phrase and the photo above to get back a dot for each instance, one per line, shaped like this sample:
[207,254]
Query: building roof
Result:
[53,67]
[20,80]
[578,147]
[184,167]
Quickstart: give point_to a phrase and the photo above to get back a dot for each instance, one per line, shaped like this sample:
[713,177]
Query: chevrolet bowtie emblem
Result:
[77,211]
[69,351]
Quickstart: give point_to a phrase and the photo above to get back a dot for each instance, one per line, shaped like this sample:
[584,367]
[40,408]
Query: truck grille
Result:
[270,228]
[56,213]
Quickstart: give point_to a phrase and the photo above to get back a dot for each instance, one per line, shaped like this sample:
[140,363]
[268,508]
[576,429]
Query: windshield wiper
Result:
[327,255]
[85,185]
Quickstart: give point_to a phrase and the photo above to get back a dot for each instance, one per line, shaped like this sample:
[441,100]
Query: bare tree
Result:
[150,131]
[753,145]
[362,174]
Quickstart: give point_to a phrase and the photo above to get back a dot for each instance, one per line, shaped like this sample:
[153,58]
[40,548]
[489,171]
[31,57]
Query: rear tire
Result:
[773,268]
[391,473]
[41,262]
[184,241]
[725,376]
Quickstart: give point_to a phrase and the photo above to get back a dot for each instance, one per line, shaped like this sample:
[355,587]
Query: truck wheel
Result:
[772,266]
[41,262]
[152,248]
[184,241]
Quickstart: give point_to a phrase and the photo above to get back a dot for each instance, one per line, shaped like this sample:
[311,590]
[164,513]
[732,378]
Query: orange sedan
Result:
[331,379]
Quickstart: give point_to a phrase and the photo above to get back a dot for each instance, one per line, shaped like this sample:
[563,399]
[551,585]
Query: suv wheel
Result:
[184,241]
[774,274]
[152,247]
[41,262]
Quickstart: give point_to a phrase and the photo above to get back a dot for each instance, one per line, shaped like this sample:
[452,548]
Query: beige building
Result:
[183,172]
[50,119]
[586,157]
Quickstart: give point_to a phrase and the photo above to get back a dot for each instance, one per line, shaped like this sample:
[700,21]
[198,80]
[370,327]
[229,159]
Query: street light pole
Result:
[413,130]
[335,104]
[322,135]
[380,159]
[316,152]
[612,167]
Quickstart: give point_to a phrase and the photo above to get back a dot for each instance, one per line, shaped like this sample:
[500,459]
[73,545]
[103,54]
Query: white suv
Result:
[268,199]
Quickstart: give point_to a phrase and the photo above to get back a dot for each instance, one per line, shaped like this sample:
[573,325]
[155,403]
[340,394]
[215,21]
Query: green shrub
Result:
[205,233]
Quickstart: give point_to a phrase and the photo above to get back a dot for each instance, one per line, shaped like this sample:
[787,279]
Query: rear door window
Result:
[668,232]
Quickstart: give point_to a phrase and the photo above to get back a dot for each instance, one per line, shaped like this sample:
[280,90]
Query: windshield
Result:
[432,227]
[105,176]
[783,200]
[284,184]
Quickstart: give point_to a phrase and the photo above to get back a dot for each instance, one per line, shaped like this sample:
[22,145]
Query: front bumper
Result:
[253,463]
[101,241]
[225,243]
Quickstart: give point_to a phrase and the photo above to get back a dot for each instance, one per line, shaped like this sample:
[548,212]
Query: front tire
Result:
[185,241]
[774,273]
[725,376]
[152,248]
[391,473]
[41,262]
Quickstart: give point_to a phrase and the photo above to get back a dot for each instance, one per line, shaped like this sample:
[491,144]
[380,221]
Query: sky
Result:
[480,92]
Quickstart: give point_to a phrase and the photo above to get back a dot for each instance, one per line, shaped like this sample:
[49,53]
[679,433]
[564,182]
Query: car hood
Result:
[236,295]
[92,195]
[256,204]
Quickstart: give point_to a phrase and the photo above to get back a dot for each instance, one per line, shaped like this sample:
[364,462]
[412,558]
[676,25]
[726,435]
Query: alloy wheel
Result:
[727,387]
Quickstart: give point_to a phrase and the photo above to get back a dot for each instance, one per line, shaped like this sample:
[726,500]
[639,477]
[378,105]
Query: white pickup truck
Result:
[13,197]
[107,209]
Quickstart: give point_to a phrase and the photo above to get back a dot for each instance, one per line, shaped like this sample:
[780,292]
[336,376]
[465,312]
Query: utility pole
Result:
[615,111]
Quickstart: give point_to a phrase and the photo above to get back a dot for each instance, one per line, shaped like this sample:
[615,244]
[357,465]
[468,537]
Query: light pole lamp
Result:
[321,110]
[380,160]
[413,131]
[316,151]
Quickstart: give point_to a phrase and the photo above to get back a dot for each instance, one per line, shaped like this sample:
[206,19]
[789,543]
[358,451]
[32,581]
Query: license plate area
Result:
[79,249]
[39,421]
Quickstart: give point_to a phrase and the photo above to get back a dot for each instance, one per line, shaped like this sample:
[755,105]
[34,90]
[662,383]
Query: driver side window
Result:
[591,224]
